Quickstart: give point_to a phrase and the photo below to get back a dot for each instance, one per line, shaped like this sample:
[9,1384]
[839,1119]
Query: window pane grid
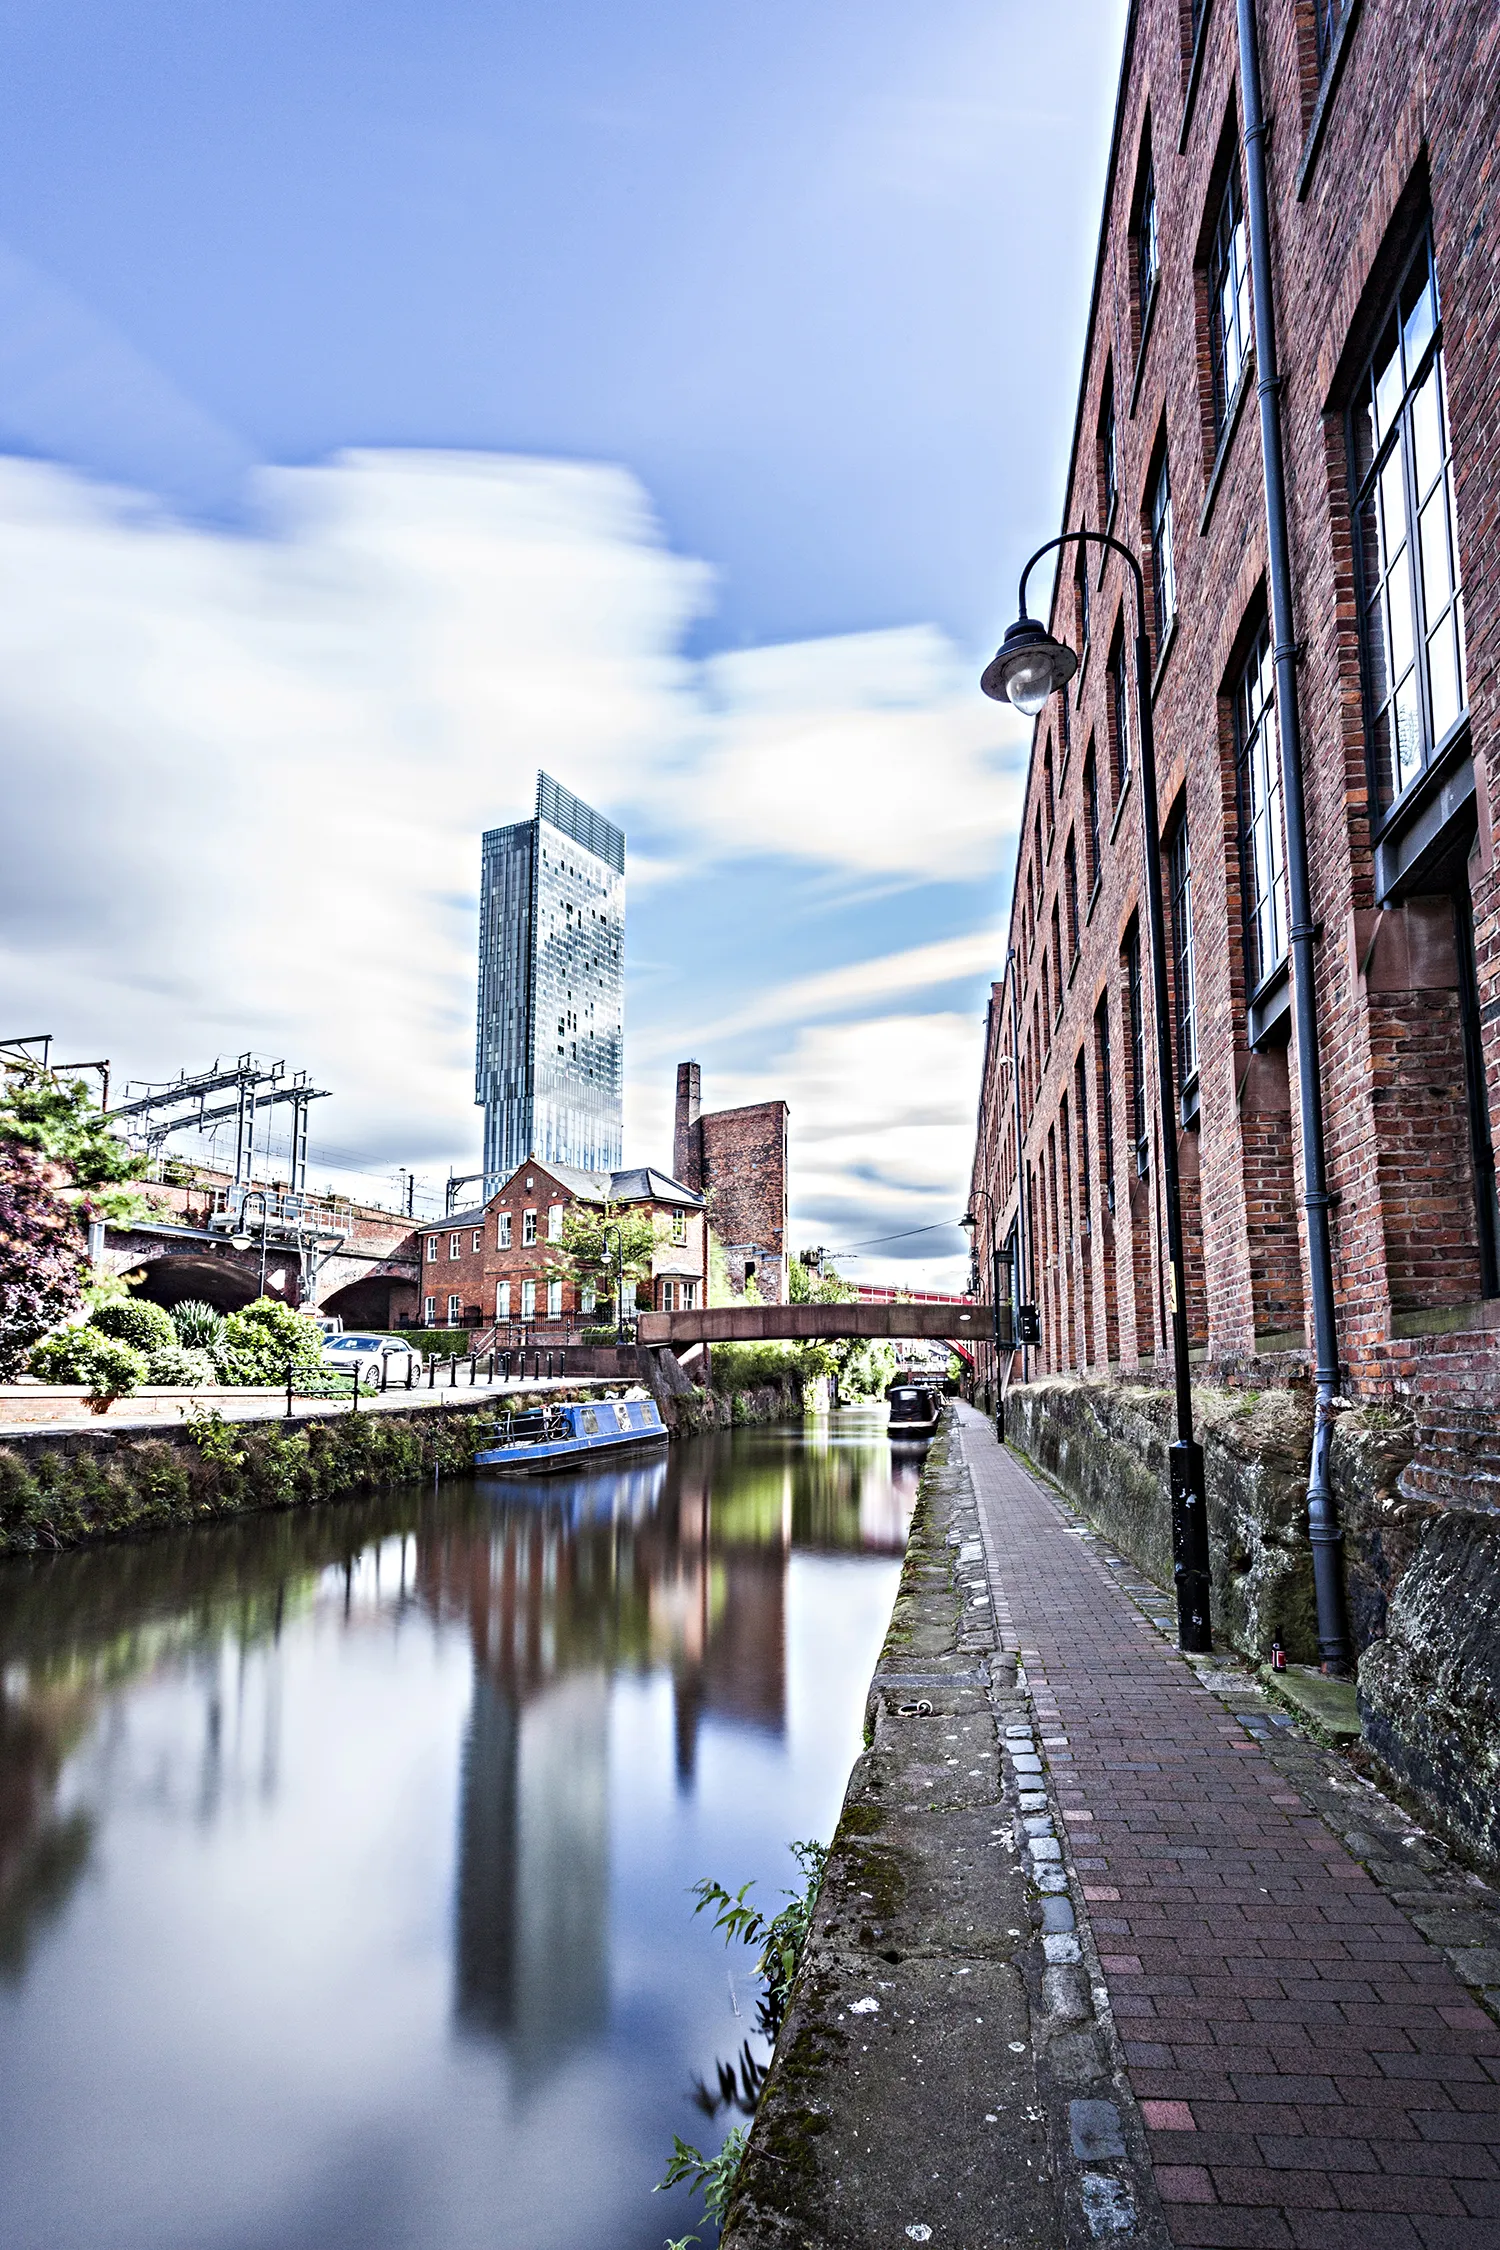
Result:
[1330,16]
[1147,250]
[1406,546]
[1229,300]
[1163,566]
[1262,846]
[1184,967]
[1137,1049]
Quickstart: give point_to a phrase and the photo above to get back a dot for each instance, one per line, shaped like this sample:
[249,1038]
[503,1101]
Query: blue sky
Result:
[396,399]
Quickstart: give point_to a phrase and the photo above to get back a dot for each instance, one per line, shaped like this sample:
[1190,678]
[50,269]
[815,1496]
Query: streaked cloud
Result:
[249,769]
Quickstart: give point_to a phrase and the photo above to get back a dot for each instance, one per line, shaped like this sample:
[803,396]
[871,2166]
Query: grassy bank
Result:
[216,1469]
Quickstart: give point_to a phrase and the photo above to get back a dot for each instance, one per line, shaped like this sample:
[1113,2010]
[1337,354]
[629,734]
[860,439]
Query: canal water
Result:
[345,1854]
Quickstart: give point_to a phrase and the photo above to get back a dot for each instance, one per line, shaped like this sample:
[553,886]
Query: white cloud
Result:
[244,775]
[843,990]
[882,1125]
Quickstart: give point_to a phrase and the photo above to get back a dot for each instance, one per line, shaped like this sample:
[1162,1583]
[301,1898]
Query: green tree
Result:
[808,1285]
[59,1119]
[41,1257]
[588,1251]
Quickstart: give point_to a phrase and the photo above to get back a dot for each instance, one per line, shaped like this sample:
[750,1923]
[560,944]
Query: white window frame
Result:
[455,1309]
[528,1228]
[679,1226]
[502,1239]
[554,1221]
[502,1300]
[432,1243]
[528,1300]
[429,1312]
[455,1248]
[554,1300]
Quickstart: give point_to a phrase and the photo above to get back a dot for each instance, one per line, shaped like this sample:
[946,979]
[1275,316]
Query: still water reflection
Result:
[344,1856]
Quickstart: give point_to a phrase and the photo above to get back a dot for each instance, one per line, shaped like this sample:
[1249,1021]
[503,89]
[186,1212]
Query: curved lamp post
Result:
[242,1238]
[1028,667]
[619,1262]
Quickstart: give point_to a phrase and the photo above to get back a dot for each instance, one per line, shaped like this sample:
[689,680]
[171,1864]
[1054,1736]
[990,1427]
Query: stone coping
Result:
[29,1407]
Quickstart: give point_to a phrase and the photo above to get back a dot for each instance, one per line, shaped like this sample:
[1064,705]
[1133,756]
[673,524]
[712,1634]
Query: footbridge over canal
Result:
[960,1324]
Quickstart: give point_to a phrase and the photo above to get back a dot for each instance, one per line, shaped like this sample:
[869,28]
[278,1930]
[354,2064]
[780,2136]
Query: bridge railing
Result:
[305,1214]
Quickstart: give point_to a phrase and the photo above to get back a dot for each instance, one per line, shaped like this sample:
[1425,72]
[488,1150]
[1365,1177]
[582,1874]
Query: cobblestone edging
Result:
[949,2069]
[1452,1906]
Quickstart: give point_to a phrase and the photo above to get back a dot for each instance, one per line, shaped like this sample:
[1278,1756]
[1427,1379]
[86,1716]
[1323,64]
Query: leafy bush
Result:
[110,1368]
[132,1321]
[752,1367]
[180,1368]
[265,1338]
[200,1327]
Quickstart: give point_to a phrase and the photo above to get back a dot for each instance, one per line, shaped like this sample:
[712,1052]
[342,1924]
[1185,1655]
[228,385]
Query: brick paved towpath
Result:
[1311,2071]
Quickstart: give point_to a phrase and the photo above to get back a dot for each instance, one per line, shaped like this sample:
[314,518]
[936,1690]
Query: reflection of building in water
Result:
[721,1603]
[42,1849]
[561,1587]
[533,1865]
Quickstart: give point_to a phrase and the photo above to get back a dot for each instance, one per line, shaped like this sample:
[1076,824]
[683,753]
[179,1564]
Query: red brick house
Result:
[500,1262]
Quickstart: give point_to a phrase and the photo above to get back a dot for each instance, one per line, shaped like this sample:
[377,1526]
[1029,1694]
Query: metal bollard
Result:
[453,1371]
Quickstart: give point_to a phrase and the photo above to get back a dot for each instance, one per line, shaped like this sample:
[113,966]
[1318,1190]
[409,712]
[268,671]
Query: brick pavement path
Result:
[1310,2071]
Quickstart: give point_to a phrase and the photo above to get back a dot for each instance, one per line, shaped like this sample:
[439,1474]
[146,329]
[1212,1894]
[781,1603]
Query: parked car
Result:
[371,1354]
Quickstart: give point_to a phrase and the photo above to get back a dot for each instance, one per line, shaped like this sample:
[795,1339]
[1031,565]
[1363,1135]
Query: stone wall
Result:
[1421,1555]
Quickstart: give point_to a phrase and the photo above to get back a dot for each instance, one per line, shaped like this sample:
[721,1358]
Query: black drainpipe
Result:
[1322,1515]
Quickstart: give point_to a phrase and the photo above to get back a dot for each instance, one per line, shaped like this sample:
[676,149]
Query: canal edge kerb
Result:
[1068,2166]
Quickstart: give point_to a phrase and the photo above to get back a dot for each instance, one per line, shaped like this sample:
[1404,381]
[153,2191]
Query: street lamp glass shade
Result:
[968,1220]
[1028,666]
[241,1241]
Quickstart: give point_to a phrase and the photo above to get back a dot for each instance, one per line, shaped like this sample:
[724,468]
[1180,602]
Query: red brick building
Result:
[1384,257]
[737,1159]
[500,1263]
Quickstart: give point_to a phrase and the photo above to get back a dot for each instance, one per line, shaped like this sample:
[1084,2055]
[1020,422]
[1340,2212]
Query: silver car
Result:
[382,1362]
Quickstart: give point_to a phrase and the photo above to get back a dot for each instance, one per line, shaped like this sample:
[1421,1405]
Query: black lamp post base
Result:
[1190,1570]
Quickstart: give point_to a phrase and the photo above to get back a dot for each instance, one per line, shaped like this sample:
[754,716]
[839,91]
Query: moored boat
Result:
[541,1440]
[916,1409]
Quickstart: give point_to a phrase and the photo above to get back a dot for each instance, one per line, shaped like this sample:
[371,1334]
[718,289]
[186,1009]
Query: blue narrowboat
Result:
[541,1440]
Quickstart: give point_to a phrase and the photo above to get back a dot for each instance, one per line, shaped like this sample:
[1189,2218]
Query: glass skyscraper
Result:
[550,1057]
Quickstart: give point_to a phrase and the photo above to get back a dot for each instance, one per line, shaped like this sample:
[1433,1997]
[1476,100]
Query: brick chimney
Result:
[687,1141]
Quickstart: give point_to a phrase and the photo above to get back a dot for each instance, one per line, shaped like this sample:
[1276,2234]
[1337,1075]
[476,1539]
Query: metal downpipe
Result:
[1322,1514]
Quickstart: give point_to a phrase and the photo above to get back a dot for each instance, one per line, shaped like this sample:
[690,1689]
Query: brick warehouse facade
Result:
[499,1264]
[1385,255]
[737,1158]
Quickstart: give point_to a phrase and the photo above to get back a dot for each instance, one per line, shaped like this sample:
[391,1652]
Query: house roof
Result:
[638,1183]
